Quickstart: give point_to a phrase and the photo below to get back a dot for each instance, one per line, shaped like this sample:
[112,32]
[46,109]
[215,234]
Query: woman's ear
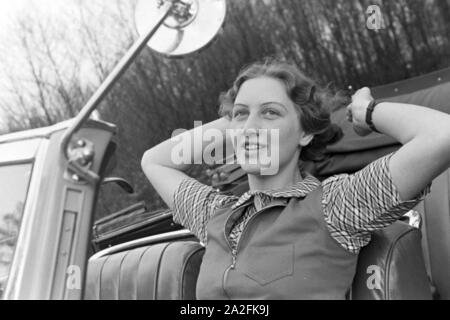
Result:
[305,139]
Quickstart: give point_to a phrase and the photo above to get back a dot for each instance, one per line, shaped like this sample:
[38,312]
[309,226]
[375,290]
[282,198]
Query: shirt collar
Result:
[299,190]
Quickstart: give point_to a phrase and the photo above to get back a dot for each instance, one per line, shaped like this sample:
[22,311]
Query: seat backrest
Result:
[391,266]
[435,214]
[164,271]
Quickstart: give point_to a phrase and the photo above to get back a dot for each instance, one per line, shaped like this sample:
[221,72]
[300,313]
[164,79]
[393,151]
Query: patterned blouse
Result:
[354,205]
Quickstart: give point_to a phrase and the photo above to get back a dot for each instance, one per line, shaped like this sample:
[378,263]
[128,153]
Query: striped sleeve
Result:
[357,204]
[194,204]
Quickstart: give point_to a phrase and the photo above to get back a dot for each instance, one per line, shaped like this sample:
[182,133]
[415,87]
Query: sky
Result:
[58,11]
[10,9]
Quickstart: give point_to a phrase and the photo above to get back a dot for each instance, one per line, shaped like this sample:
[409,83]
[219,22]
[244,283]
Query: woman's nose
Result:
[252,124]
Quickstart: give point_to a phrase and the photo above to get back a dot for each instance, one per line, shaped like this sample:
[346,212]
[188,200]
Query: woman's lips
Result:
[250,147]
[252,150]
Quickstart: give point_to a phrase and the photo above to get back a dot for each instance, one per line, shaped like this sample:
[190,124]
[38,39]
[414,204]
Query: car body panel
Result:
[51,252]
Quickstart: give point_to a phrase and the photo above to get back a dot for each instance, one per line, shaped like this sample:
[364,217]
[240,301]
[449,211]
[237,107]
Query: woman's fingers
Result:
[349,113]
[364,90]
[363,93]
[216,176]
[349,117]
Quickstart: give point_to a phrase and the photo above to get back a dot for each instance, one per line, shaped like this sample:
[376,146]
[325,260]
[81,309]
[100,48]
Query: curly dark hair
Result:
[313,102]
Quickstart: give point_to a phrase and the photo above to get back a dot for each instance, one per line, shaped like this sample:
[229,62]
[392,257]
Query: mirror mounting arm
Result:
[106,86]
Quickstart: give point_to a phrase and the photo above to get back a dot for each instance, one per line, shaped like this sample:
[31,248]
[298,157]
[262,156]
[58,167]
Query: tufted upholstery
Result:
[435,213]
[165,271]
[396,253]
[169,270]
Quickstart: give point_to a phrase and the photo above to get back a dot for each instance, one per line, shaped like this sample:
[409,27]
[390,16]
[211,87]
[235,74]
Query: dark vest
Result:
[285,252]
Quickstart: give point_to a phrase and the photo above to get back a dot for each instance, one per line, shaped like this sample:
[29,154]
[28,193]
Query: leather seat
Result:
[392,267]
[435,215]
[169,270]
[164,271]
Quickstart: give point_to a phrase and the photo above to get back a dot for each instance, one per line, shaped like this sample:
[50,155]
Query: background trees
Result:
[50,68]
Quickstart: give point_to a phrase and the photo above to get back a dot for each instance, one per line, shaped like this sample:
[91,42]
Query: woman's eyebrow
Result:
[262,104]
[240,105]
[274,102]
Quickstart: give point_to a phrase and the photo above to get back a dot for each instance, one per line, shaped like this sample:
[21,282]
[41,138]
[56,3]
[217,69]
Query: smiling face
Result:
[268,123]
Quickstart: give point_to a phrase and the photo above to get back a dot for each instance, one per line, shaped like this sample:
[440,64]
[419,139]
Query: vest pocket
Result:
[265,265]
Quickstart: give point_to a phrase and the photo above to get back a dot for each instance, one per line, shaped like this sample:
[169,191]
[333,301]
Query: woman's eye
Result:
[238,113]
[271,112]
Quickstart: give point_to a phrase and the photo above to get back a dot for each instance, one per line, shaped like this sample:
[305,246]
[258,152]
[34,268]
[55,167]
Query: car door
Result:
[47,257]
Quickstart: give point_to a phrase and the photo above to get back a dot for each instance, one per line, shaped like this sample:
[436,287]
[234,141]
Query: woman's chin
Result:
[252,171]
[255,169]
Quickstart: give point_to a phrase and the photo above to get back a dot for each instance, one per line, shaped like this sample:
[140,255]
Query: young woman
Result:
[291,236]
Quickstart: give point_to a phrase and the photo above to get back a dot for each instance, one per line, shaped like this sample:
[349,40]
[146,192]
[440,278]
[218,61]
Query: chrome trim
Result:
[163,237]
[45,132]
[19,151]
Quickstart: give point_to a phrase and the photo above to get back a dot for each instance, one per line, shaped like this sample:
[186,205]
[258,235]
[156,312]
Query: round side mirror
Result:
[189,27]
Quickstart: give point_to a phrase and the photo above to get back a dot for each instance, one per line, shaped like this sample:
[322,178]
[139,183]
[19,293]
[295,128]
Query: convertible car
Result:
[50,247]
[161,260]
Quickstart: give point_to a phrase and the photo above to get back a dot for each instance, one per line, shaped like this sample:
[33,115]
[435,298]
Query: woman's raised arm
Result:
[163,167]
[424,133]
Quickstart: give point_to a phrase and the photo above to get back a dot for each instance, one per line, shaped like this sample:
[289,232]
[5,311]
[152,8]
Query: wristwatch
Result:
[369,112]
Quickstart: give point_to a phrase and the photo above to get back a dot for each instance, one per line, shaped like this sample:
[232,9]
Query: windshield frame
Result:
[29,162]
[36,158]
